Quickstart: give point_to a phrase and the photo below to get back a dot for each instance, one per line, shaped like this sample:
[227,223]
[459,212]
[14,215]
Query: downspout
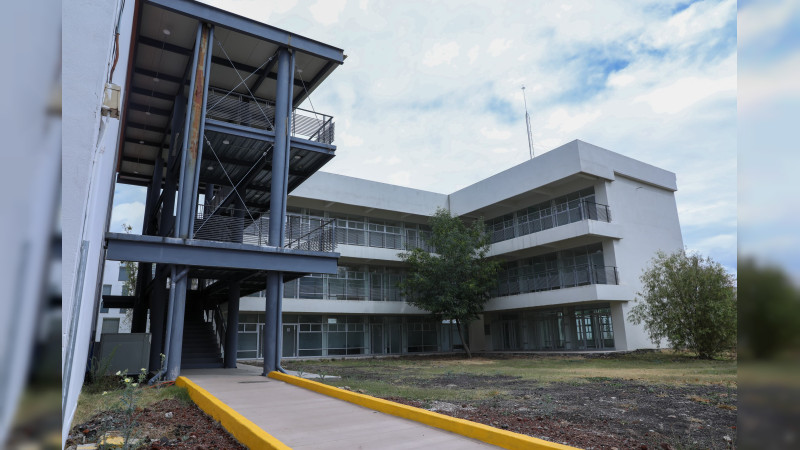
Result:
[170,302]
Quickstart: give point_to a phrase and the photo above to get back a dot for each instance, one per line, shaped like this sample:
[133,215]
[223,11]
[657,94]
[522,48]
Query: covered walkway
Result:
[303,419]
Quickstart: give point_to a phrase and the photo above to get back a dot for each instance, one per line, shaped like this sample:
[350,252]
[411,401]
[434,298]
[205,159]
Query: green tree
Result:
[453,281]
[690,301]
[129,285]
[770,310]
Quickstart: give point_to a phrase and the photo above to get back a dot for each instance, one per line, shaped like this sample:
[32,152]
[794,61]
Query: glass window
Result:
[123,273]
[110,325]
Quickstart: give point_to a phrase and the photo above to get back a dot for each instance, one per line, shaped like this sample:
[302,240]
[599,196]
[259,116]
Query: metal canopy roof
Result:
[162,49]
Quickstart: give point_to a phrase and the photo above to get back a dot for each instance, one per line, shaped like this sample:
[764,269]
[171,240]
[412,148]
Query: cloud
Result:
[440,54]
[473,53]
[498,46]
[326,12]
[563,121]
[685,92]
[495,134]
[127,213]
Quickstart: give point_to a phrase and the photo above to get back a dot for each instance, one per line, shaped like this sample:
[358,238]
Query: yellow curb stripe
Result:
[245,431]
[481,432]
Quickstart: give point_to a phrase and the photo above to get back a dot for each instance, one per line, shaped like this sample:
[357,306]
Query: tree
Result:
[454,282]
[770,307]
[690,301]
[129,285]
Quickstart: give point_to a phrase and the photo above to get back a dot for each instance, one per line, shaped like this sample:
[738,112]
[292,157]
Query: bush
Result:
[688,300]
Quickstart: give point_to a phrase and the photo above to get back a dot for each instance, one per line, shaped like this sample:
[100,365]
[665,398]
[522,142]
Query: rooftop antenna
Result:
[528,123]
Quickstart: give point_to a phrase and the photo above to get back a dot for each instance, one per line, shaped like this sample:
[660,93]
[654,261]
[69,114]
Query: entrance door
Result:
[289,340]
[509,335]
[376,339]
[394,338]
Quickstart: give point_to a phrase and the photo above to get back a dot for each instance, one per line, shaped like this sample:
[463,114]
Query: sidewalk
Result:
[303,419]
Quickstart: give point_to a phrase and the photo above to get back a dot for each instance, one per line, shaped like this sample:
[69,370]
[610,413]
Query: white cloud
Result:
[685,92]
[562,120]
[127,213]
[473,54]
[402,178]
[498,46]
[620,79]
[326,12]
[348,140]
[495,134]
[440,54]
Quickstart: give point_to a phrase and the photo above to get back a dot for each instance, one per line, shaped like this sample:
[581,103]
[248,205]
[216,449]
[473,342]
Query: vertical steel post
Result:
[277,207]
[232,327]
[158,310]
[192,142]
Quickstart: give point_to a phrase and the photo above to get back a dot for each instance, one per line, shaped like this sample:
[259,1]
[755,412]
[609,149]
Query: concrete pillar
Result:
[232,327]
[277,214]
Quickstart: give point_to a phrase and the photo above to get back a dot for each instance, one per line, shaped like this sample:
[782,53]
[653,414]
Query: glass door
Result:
[376,339]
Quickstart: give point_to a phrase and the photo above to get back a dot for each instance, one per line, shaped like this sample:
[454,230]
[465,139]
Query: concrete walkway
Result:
[303,419]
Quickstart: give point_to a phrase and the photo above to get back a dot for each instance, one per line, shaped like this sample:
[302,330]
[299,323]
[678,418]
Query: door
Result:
[289,340]
[376,339]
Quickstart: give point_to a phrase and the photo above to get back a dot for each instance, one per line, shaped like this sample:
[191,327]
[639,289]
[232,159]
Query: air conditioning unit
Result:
[111,98]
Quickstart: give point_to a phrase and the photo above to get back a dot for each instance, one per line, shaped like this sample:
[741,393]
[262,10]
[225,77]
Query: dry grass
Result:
[92,403]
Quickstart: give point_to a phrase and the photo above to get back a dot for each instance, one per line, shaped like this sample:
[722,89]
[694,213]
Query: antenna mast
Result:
[528,123]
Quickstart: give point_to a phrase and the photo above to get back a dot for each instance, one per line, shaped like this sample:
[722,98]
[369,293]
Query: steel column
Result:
[277,212]
[232,327]
[158,309]
[192,141]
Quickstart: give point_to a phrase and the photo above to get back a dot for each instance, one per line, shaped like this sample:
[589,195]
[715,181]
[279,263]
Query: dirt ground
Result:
[168,424]
[593,413]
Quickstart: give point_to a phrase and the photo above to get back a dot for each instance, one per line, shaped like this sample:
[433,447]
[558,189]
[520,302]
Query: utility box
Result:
[132,351]
[111,100]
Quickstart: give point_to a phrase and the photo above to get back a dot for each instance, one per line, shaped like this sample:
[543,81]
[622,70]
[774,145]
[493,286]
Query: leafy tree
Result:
[129,285]
[690,301]
[454,282]
[770,310]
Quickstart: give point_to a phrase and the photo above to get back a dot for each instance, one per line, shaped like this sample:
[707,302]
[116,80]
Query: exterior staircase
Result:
[200,348]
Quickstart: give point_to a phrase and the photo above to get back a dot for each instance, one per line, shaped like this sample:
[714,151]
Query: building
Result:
[574,228]
[201,106]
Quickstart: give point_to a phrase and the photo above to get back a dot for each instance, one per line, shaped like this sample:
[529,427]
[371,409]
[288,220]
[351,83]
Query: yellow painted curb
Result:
[242,429]
[481,432]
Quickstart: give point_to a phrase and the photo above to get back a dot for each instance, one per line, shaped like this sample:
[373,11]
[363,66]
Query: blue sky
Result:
[429,96]
[769,157]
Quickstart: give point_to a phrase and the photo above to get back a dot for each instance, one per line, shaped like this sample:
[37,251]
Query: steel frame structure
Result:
[166,128]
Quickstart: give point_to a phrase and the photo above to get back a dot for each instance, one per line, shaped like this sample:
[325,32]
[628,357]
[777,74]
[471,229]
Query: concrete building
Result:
[574,227]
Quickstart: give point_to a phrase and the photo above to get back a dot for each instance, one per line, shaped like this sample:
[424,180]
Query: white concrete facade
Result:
[641,218]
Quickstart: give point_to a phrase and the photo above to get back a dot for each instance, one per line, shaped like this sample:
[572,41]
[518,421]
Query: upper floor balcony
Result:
[245,110]
[544,217]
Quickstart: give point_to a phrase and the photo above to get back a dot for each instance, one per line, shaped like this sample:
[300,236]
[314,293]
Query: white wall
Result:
[649,218]
[88,163]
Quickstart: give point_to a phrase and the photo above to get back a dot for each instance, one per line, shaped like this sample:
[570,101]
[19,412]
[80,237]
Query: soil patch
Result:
[166,424]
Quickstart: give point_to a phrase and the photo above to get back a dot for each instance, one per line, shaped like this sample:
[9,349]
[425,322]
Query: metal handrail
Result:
[236,225]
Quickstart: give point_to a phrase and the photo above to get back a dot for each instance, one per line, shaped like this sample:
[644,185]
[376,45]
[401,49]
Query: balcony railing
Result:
[241,109]
[525,281]
[560,214]
[232,225]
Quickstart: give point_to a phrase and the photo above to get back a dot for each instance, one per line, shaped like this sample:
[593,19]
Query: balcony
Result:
[308,233]
[560,214]
[524,279]
[242,109]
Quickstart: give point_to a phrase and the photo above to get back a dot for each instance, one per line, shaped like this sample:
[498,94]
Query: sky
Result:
[769,153]
[430,94]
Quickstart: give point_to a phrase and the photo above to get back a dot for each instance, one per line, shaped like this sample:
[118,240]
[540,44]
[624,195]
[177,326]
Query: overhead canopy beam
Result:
[193,252]
[266,72]
[225,19]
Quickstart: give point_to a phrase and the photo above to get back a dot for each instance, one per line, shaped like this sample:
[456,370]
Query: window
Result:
[110,325]
[123,273]
[106,291]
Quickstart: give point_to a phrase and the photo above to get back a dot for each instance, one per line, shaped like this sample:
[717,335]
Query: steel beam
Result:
[232,327]
[205,13]
[193,252]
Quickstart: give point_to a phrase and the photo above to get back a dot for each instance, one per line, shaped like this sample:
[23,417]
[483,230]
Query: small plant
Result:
[130,397]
